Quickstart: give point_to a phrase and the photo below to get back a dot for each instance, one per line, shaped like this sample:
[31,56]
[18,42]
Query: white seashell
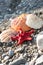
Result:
[39,41]
[33,21]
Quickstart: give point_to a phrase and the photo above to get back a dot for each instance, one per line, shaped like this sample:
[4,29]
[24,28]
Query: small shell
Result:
[34,21]
[5,35]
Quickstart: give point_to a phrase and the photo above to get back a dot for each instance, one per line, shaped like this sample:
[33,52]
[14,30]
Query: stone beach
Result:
[27,53]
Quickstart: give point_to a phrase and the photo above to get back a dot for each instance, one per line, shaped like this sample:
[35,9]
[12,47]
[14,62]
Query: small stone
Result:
[3,55]
[11,53]
[39,40]
[20,49]
[27,63]
[6,58]
[39,61]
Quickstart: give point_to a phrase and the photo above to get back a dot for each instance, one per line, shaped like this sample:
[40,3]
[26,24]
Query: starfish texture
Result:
[22,36]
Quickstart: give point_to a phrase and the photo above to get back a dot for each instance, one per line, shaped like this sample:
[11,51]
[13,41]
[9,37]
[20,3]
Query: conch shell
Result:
[25,22]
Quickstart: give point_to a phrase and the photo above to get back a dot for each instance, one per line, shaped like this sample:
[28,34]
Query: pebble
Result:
[39,40]
[11,53]
[3,55]
[6,58]
[27,63]
[20,49]
[18,61]
[39,60]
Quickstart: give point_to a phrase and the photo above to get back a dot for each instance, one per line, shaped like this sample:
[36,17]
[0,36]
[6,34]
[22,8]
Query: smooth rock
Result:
[39,61]
[39,40]
[11,53]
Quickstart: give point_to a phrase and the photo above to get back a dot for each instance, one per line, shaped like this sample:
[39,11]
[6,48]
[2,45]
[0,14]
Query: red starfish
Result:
[22,36]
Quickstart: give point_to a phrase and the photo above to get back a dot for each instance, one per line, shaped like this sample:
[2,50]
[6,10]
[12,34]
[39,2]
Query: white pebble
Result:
[39,41]
[6,58]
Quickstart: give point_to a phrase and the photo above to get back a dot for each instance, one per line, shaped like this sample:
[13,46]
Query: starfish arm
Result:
[30,32]
[20,41]
[14,38]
